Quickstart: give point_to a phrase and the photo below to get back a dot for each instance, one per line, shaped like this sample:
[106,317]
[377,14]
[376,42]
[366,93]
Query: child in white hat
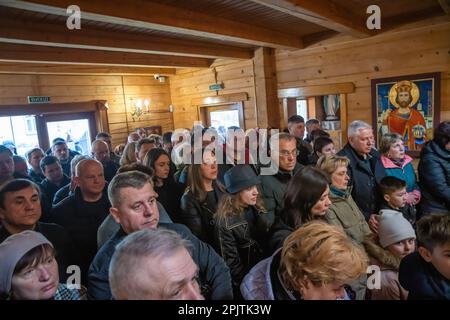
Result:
[396,239]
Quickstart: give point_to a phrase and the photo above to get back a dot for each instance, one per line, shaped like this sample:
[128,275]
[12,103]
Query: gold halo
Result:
[414,92]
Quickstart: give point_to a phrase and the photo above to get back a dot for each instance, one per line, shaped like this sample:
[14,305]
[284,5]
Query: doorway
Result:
[77,129]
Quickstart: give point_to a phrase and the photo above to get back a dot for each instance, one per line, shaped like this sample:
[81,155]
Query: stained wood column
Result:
[267,104]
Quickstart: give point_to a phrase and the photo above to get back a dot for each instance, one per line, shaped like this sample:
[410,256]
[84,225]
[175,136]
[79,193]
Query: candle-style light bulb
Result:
[146,103]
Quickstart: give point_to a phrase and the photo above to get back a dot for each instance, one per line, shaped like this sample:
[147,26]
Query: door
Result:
[78,129]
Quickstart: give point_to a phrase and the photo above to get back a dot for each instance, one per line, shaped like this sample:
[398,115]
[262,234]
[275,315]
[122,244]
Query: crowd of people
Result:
[150,219]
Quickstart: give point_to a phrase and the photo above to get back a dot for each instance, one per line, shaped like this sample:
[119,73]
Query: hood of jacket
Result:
[387,260]
[433,147]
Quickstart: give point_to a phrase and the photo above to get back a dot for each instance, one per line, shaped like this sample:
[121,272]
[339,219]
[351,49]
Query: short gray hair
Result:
[131,179]
[356,126]
[126,263]
[387,141]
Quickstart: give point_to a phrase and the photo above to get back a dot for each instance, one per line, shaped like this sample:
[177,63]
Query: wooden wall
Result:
[419,50]
[117,90]
[187,84]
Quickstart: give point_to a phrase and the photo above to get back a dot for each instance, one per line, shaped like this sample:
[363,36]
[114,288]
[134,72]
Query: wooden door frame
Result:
[287,94]
[220,103]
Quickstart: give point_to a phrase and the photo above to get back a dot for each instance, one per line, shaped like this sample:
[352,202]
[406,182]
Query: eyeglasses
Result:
[285,153]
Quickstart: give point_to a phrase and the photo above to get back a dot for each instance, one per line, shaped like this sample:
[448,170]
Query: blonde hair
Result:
[321,253]
[129,154]
[330,164]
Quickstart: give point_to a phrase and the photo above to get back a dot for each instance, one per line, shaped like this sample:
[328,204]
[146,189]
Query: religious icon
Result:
[408,106]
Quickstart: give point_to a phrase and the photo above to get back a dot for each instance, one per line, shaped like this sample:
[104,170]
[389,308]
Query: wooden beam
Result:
[43,68]
[314,38]
[31,53]
[325,13]
[268,109]
[319,90]
[155,16]
[37,32]
[445,5]
[222,99]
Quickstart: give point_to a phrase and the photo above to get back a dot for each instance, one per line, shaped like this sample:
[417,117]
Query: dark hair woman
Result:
[169,192]
[202,195]
[306,199]
[241,227]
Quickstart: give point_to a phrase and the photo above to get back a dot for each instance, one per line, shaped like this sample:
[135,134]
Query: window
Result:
[17,130]
[226,119]
[302,108]
[30,125]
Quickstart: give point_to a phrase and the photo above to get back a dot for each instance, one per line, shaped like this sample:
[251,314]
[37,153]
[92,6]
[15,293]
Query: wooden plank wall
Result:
[237,76]
[117,90]
[420,50]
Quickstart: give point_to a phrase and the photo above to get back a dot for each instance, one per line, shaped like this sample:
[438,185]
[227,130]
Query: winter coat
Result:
[409,212]
[364,180]
[199,217]
[214,274]
[273,189]
[81,219]
[422,280]
[345,213]
[390,288]
[434,176]
[240,241]
[405,173]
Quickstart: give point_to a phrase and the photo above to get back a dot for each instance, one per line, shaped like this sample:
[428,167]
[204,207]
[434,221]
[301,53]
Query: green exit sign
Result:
[216,86]
[38,99]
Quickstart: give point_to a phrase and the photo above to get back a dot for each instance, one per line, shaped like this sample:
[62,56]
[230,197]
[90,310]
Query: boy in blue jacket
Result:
[426,273]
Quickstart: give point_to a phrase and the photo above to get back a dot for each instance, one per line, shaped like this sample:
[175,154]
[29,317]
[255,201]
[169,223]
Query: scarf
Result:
[339,192]
[398,162]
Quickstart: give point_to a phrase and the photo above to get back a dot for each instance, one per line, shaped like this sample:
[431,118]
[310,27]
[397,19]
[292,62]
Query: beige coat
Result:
[390,288]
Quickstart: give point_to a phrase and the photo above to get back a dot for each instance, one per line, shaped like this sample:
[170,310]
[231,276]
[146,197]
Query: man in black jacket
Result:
[365,168]
[274,186]
[83,212]
[20,210]
[55,178]
[134,208]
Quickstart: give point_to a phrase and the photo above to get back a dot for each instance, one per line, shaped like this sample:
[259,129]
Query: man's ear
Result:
[425,253]
[2,214]
[386,197]
[115,214]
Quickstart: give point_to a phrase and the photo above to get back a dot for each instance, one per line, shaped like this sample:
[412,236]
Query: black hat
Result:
[240,177]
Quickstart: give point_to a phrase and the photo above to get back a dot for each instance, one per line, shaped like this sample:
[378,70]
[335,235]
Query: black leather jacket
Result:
[199,217]
[241,241]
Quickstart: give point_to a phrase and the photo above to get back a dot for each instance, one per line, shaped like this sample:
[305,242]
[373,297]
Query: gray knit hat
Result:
[393,228]
[12,250]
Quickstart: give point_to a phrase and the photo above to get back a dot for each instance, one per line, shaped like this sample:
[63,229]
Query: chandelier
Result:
[139,108]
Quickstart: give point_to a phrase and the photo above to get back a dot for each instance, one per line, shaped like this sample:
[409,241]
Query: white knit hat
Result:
[393,227]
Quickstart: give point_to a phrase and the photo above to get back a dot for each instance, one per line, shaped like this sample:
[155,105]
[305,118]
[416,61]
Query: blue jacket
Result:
[422,280]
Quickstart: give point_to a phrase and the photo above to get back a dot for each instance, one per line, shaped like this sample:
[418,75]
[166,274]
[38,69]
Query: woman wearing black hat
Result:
[240,225]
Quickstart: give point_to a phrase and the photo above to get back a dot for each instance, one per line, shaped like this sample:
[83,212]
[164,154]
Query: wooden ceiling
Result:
[157,36]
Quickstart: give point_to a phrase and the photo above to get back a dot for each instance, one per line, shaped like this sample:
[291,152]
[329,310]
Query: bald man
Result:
[83,212]
[101,152]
